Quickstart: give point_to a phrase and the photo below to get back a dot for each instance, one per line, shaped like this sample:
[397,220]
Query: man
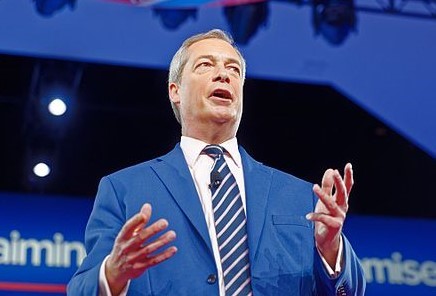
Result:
[279,242]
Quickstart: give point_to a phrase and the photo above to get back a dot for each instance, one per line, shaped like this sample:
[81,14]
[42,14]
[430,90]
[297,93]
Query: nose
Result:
[221,75]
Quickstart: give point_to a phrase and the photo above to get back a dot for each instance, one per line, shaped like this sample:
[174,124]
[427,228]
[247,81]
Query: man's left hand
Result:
[331,210]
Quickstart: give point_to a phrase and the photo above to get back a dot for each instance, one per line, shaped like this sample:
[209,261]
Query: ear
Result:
[173,92]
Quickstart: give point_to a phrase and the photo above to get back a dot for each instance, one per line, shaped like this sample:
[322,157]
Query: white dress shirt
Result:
[200,166]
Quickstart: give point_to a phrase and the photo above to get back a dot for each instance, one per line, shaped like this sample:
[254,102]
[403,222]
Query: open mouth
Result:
[222,93]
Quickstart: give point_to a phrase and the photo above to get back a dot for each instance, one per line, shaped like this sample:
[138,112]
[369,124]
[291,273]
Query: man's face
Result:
[211,86]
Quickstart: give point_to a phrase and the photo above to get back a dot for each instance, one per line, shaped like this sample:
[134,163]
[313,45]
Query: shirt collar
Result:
[192,149]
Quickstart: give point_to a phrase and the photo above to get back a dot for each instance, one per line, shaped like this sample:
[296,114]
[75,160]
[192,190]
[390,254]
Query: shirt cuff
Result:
[338,265]
[103,285]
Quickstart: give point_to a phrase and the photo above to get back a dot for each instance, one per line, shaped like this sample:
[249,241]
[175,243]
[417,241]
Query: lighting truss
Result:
[425,9]
[422,9]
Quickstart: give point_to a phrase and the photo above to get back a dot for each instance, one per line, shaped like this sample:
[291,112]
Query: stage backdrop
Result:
[41,245]
[386,66]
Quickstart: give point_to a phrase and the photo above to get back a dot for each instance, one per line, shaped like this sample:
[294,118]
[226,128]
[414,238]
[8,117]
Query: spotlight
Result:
[53,94]
[41,156]
[41,170]
[173,18]
[57,107]
[245,20]
[334,19]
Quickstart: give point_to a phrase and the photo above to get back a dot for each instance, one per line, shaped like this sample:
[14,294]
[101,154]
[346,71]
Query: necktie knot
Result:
[214,151]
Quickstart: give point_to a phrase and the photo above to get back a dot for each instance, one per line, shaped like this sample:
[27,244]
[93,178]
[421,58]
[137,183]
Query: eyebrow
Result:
[212,58]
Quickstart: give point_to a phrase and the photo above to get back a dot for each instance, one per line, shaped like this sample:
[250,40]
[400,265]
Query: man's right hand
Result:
[133,253]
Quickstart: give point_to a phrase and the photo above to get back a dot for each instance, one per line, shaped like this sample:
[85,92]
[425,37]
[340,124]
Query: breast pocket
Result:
[285,255]
[294,234]
[291,220]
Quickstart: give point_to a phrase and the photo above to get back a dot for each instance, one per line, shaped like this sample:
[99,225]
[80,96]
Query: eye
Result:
[235,69]
[204,64]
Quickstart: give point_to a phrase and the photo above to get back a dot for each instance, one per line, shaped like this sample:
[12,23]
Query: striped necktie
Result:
[230,225]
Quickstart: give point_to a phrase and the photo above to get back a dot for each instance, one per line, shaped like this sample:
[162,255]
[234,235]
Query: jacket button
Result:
[211,279]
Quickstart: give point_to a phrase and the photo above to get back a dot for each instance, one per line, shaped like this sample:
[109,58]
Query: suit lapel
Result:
[257,179]
[173,170]
[174,173]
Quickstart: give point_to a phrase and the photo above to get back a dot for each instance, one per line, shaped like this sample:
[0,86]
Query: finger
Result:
[143,235]
[341,195]
[160,242]
[134,224]
[144,252]
[348,178]
[137,268]
[146,210]
[156,259]
[328,201]
[327,181]
[329,221]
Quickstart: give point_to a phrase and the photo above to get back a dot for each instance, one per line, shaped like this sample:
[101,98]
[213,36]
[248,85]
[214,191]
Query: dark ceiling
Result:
[121,115]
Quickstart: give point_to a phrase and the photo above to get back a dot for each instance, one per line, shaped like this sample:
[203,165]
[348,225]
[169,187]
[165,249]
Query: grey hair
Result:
[181,57]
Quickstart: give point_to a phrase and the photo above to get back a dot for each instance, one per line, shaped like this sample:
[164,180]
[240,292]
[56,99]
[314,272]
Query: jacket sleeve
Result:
[106,219]
[350,282]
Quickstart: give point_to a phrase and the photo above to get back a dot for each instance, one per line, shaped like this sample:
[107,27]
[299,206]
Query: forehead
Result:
[212,47]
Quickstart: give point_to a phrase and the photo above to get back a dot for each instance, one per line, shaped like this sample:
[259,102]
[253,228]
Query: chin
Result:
[223,116]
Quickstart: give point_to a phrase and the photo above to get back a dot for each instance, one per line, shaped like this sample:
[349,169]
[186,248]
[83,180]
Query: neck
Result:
[212,135]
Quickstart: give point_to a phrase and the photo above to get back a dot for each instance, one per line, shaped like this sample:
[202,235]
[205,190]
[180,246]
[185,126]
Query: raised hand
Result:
[133,253]
[331,210]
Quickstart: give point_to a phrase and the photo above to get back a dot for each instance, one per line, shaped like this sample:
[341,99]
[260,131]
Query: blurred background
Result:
[83,93]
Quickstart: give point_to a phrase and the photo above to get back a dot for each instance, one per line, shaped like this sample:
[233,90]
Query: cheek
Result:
[240,95]
[238,90]
[196,96]
[191,101]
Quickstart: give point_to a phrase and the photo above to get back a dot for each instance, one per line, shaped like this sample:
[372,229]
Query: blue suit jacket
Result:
[283,258]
